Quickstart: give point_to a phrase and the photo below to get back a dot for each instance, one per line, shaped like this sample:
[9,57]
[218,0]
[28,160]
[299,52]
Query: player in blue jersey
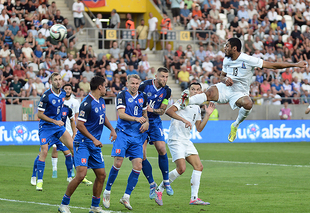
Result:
[66,112]
[131,124]
[158,94]
[51,127]
[92,117]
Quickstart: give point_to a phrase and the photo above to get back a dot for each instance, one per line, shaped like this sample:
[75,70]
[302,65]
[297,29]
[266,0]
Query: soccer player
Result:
[51,127]
[66,112]
[92,117]
[180,146]
[236,78]
[158,94]
[132,122]
[307,110]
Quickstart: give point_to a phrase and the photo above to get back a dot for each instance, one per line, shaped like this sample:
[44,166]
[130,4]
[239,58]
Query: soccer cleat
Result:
[106,200]
[87,182]
[152,191]
[158,198]
[198,201]
[96,210]
[54,174]
[39,186]
[33,181]
[233,133]
[69,179]
[184,98]
[64,209]
[169,190]
[126,203]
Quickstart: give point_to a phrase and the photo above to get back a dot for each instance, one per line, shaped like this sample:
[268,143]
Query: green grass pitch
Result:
[249,177]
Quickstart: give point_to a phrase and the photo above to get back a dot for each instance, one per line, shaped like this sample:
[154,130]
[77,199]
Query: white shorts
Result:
[227,95]
[181,149]
[150,35]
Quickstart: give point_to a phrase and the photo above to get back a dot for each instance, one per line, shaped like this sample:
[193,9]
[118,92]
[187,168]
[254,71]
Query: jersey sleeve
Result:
[75,107]
[142,87]
[145,101]
[70,114]
[255,62]
[121,100]
[177,104]
[168,95]
[85,109]
[224,66]
[43,103]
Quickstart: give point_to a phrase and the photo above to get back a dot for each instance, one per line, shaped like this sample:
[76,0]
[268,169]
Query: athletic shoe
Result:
[154,49]
[152,191]
[96,210]
[87,182]
[39,186]
[233,133]
[64,209]
[198,201]
[33,181]
[184,98]
[106,200]
[169,190]
[72,173]
[54,174]
[147,49]
[126,203]
[158,198]
[69,179]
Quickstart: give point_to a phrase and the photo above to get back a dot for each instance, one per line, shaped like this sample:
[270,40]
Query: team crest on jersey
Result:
[118,151]
[63,99]
[83,161]
[119,101]
[130,100]
[243,65]
[103,106]
[54,101]
[64,113]
[161,96]
[96,110]
[82,113]
[140,100]
[43,140]
[149,94]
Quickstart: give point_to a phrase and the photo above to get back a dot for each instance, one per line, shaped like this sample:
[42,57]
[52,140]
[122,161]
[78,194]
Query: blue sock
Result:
[132,181]
[95,201]
[112,177]
[65,200]
[40,169]
[164,166]
[34,171]
[147,171]
[69,165]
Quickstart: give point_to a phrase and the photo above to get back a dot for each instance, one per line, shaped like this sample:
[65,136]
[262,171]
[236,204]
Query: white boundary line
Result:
[237,162]
[47,204]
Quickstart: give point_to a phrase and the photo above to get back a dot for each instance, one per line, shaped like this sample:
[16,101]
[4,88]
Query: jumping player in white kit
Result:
[236,77]
[180,146]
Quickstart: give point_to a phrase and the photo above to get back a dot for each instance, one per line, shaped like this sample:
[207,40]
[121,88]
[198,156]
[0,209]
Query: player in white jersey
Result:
[307,110]
[73,104]
[180,146]
[236,76]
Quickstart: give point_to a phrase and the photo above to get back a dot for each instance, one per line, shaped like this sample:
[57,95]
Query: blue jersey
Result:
[134,106]
[66,112]
[155,96]
[92,112]
[51,103]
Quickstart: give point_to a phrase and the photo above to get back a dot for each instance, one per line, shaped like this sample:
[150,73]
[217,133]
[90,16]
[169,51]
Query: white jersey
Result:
[241,71]
[73,104]
[178,131]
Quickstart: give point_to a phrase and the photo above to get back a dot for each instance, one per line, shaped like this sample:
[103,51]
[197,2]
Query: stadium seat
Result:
[288,18]
[34,66]
[218,26]
[279,18]
[284,38]
[303,28]
[44,21]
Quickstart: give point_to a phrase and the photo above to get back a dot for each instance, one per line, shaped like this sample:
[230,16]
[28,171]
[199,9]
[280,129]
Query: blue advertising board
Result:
[250,131]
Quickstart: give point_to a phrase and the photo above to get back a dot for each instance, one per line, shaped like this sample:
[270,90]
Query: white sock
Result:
[126,196]
[243,113]
[197,99]
[172,176]
[106,192]
[54,163]
[195,183]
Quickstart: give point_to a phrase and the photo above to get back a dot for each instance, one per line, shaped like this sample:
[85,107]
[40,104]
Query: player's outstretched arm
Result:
[172,113]
[200,125]
[81,127]
[159,111]
[113,134]
[45,118]
[281,65]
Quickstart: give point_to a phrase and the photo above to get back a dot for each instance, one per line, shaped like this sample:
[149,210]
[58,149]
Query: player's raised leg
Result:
[54,161]
[147,171]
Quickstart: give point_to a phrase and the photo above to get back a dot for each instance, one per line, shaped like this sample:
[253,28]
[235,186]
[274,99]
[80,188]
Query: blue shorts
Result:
[49,133]
[87,154]
[154,133]
[60,146]
[127,146]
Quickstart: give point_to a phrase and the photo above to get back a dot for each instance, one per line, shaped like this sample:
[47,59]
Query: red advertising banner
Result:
[95,3]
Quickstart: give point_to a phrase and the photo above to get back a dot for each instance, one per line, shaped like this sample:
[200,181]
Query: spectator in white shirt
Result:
[272,15]
[70,61]
[153,23]
[66,74]
[145,64]
[207,66]
[300,5]
[45,31]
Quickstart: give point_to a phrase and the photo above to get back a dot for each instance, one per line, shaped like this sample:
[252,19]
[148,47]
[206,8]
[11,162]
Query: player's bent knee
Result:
[199,167]
[248,105]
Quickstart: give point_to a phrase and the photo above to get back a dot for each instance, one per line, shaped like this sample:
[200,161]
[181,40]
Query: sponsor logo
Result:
[83,161]
[20,133]
[140,100]
[118,151]
[64,113]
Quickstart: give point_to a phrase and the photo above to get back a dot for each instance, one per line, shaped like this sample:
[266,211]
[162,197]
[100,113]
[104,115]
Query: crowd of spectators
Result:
[272,30]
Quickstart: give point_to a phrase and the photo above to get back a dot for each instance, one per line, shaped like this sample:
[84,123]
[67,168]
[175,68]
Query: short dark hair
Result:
[67,85]
[163,69]
[235,42]
[54,74]
[194,83]
[95,82]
